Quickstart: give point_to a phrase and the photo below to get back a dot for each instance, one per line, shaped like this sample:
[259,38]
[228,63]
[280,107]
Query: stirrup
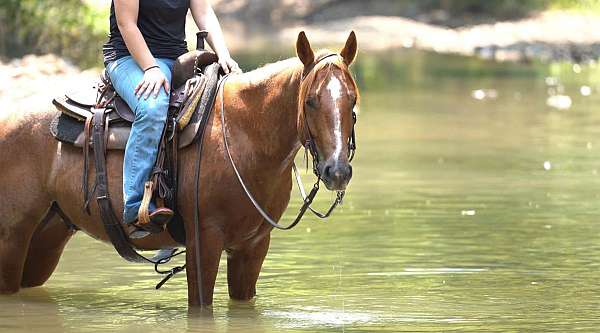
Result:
[143,213]
[149,223]
[158,221]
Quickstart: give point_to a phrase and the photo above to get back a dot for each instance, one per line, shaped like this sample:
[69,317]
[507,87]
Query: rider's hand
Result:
[153,80]
[229,65]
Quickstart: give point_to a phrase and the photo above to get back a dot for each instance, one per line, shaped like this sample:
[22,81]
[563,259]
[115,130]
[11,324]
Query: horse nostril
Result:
[338,172]
[327,171]
[343,172]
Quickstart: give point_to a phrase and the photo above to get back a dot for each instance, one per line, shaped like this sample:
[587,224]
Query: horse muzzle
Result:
[336,175]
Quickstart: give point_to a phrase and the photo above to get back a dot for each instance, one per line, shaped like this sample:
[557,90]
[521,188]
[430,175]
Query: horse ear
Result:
[303,49]
[349,51]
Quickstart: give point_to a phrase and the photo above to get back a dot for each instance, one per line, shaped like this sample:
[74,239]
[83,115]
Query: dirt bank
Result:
[549,36]
[32,81]
[552,36]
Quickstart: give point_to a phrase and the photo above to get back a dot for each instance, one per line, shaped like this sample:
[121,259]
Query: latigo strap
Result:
[111,223]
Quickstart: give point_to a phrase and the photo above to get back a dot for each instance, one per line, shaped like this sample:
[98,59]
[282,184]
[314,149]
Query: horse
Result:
[271,112]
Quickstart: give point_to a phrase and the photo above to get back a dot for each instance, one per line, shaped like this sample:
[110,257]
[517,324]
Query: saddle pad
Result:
[66,129]
[69,130]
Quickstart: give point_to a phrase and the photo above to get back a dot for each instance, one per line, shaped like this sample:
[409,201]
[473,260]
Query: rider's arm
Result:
[205,19]
[126,12]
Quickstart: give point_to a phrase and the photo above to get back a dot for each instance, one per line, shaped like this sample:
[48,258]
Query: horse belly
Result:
[69,195]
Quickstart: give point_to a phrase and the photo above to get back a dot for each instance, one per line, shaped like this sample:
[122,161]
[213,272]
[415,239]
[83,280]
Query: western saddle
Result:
[98,118]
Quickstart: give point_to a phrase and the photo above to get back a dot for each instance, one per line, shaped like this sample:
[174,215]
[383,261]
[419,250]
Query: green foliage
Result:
[579,5]
[68,28]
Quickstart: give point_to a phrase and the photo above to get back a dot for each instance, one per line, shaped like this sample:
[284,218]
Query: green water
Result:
[463,215]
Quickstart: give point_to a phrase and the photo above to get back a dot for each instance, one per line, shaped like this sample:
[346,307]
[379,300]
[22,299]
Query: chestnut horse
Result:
[268,111]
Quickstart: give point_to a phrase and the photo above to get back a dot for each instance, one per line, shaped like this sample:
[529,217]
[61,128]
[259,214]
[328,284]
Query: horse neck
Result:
[272,120]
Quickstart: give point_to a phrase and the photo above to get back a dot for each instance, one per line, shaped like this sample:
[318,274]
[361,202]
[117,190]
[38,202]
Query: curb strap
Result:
[338,200]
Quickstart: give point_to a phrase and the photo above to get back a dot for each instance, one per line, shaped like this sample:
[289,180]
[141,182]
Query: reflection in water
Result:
[29,311]
[465,213]
[430,271]
[316,316]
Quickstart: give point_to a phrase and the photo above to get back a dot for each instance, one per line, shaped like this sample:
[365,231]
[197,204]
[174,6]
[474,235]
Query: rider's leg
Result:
[142,146]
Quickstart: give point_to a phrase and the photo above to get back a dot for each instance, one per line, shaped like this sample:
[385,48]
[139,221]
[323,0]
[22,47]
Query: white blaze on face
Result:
[335,90]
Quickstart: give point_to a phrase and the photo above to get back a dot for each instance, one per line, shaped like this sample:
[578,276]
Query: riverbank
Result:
[33,81]
[546,30]
[548,37]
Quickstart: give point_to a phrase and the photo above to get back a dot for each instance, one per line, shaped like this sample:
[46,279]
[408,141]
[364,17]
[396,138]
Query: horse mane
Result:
[267,71]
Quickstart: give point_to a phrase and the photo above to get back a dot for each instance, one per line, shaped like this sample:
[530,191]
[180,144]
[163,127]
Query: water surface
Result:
[469,211]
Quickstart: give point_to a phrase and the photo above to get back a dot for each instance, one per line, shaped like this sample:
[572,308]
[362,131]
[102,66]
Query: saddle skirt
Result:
[195,78]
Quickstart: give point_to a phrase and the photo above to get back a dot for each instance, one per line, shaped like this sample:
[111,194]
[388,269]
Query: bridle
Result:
[309,146]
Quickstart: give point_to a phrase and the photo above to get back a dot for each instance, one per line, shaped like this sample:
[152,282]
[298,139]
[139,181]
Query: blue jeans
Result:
[146,131]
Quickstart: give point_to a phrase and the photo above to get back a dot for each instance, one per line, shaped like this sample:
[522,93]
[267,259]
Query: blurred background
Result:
[474,202]
[454,26]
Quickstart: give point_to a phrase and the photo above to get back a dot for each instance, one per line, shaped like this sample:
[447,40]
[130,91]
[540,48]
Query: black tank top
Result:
[162,23]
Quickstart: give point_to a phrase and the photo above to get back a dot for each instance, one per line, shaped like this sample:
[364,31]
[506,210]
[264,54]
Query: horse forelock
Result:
[310,78]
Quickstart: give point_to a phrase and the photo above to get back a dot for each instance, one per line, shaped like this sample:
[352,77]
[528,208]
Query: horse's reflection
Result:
[31,310]
[238,317]
[39,309]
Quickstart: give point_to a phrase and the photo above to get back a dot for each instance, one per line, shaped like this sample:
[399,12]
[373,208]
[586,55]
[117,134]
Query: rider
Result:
[146,36]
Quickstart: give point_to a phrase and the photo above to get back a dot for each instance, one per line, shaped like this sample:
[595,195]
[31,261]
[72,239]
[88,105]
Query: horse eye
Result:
[312,102]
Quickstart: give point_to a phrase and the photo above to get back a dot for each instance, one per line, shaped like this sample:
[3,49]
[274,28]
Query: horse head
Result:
[326,110]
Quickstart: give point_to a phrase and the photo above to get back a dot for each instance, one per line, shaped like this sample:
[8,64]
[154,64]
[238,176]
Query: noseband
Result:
[310,146]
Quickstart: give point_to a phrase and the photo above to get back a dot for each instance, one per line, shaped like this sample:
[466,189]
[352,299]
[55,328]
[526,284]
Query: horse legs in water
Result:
[243,267]
[46,247]
[18,220]
[14,241]
[29,251]
[208,255]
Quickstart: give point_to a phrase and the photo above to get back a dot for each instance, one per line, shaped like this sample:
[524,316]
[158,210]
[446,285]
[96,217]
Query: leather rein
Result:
[309,146]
